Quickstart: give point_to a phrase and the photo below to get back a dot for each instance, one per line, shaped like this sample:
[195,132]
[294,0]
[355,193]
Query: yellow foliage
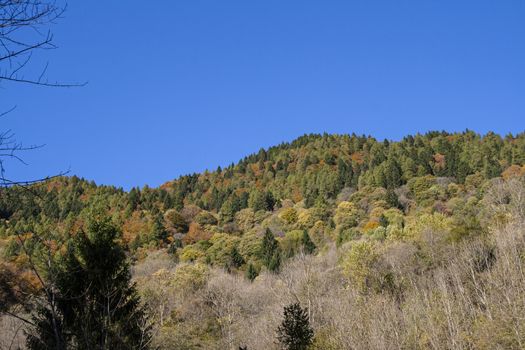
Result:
[435,222]
[376,213]
[190,277]
[371,225]
[305,220]
[221,246]
[190,254]
[357,264]
[288,215]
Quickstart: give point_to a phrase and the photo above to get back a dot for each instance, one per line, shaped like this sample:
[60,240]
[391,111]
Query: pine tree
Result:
[391,199]
[158,230]
[251,272]
[308,245]
[236,258]
[393,173]
[295,332]
[257,201]
[270,253]
[95,304]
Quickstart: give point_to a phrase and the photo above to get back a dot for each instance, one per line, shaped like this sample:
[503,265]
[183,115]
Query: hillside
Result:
[417,228]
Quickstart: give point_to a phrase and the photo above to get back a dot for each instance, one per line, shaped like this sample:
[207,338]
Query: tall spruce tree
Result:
[295,332]
[270,252]
[95,305]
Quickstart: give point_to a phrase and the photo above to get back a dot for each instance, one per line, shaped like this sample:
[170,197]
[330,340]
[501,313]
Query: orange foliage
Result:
[29,279]
[440,160]
[134,226]
[357,157]
[255,168]
[371,225]
[196,233]
[513,171]
[296,195]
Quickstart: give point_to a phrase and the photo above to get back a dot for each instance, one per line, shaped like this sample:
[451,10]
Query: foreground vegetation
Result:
[382,245]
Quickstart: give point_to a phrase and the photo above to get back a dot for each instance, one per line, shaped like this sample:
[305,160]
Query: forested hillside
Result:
[404,244]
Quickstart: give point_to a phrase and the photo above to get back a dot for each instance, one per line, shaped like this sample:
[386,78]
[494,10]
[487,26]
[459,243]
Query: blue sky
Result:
[180,86]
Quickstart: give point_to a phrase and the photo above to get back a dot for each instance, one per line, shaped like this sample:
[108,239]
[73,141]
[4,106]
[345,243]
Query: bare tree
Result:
[24,30]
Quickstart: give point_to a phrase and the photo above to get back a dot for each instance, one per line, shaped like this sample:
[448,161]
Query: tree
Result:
[251,272]
[269,252]
[393,173]
[176,221]
[97,306]
[23,31]
[236,258]
[392,199]
[295,332]
[262,201]
[158,231]
[308,245]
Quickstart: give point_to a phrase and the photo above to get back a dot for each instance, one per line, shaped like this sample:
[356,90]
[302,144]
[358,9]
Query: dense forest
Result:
[410,244]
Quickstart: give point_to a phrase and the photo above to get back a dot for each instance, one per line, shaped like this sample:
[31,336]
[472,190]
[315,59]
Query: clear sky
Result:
[180,86]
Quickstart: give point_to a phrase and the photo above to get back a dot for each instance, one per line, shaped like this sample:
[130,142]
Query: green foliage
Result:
[206,218]
[357,264]
[308,246]
[261,201]
[295,332]
[270,253]
[346,235]
[429,189]
[236,258]
[94,305]
[251,272]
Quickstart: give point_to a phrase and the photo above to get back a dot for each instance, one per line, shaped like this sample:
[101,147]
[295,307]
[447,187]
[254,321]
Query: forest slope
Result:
[417,241]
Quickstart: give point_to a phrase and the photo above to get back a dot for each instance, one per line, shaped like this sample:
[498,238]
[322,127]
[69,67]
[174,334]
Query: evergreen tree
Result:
[257,201]
[158,230]
[295,332]
[270,252]
[269,201]
[275,262]
[391,199]
[251,272]
[383,221]
[462,171]
[393,173]
[95,305]
[227,212]
[491,168]
[134,198]
[236,258]
[308,245]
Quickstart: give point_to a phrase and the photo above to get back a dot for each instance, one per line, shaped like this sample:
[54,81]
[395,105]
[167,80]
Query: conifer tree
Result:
[159,232]
[236,258]
[95,305]
[295,332]
[270,253]
[392,199]
[251,272]
[308,245]
[383,221]
[275,261]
